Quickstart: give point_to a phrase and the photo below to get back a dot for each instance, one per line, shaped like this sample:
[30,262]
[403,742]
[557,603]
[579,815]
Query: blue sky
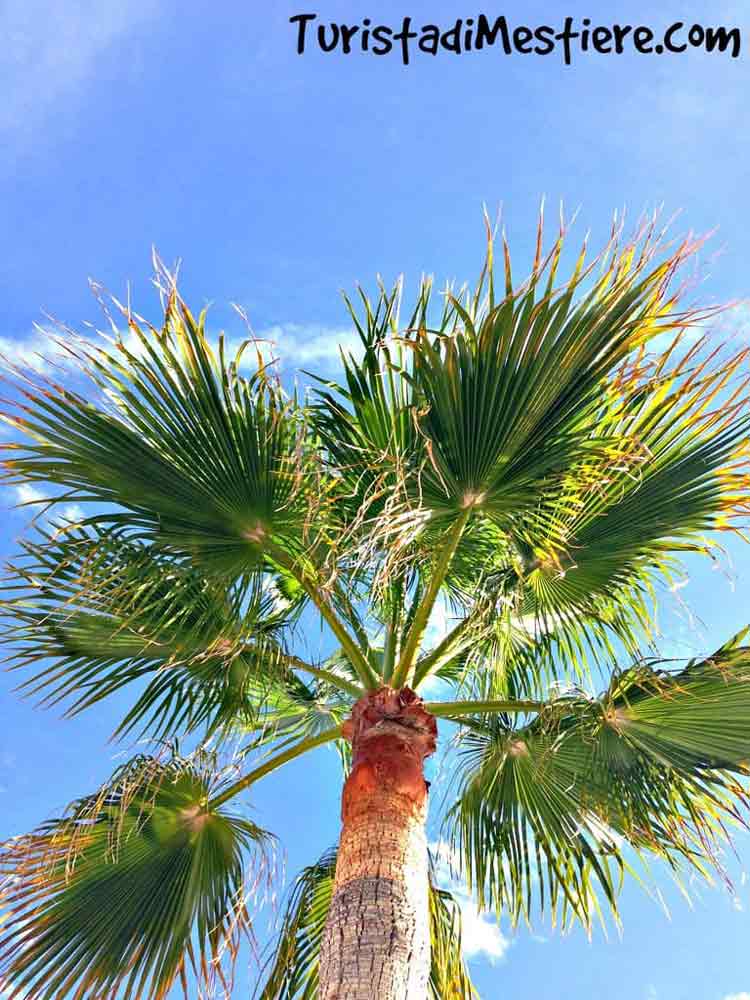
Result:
[280,179]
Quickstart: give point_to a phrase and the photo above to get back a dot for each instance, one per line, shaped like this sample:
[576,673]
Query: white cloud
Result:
[737,996]
[442,621]
[299,345]
[734,324]
[480,935]
[730,326]
[27,494]
[26,501]
[280,603]
[71,513]
[35,500]
[52,50]
[293,345]
[662,341]
[36,351]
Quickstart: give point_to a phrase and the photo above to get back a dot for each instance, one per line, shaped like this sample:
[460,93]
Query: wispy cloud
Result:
[30,500]
[730,326]
[442,620]
[481,937]
[737,996]
[37,351]
[28,494]
[299,345]
[292,345]
[734,324]
[71,513]
[51,52]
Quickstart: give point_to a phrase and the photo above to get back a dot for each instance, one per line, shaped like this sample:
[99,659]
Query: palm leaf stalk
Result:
[534,462]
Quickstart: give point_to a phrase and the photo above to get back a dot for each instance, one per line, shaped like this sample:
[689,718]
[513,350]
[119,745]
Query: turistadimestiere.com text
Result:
[571,38]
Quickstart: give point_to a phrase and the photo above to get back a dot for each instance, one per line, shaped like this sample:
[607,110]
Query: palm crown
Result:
[524,454]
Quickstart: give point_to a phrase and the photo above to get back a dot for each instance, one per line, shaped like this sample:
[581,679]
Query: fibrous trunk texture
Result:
[376,944]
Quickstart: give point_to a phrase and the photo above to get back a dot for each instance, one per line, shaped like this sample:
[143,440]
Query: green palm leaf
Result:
[366,424]
[612,533]
[189,452]
[585,464]
[617,526]
[105,612]
[506,391]
[135,887]
[548,811]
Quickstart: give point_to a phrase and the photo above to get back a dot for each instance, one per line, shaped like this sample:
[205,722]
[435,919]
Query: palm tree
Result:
[535,460]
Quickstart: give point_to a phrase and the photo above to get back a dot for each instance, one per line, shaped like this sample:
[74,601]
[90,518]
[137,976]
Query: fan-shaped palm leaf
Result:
[192,453]
[106,611]
[137,886]
[547,809]
[616,526]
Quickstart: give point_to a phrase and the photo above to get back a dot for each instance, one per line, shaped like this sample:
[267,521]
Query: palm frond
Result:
[292,969]
[554,812]
[136,887]
[366,424]
[297,713]
[102,611]
[581,579]
[449,975]
[506,391]
[502,646]
[541,414]
[617,525]
[180,447]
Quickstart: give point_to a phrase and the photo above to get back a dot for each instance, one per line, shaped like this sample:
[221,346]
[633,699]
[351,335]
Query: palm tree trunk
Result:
[376,944]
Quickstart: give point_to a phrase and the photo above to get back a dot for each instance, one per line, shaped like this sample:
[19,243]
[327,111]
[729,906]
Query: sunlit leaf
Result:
[187,450]
[548,810]
[136,887]
[102,612]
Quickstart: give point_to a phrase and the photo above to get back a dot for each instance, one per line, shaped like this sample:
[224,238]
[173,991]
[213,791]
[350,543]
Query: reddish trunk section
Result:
[376,942]
[391,734]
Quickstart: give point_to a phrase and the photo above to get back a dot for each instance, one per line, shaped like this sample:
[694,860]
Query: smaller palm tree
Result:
[538,459]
